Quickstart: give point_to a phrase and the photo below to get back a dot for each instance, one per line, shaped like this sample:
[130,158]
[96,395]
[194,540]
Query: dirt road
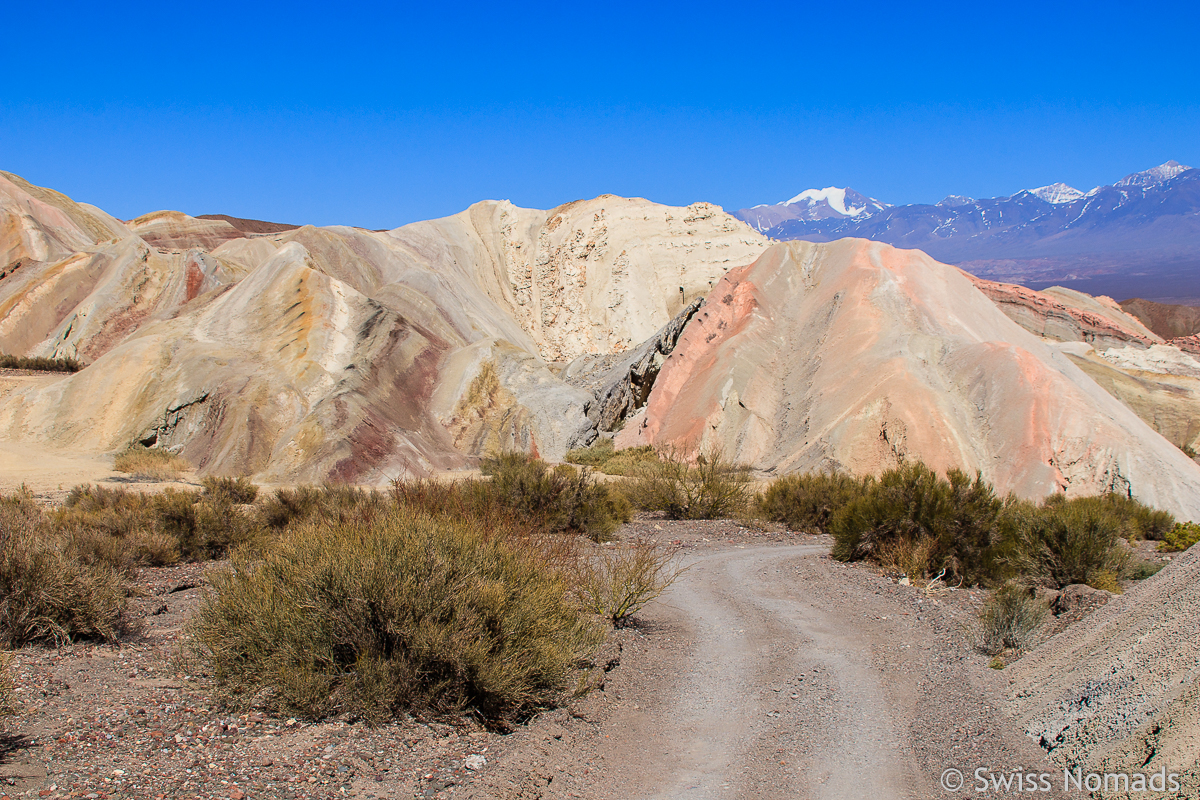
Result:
[773,672]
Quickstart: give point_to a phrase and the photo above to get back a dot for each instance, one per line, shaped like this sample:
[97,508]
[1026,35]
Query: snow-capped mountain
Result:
[830,203]
[1139,236]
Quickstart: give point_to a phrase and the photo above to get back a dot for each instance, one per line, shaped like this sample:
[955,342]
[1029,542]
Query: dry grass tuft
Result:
[1008,620]
[39,363]
[236,491]
[150,463]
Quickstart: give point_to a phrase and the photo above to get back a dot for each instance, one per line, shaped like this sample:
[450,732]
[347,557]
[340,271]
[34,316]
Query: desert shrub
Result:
[1070,541]
[808,502]
[287,507]
[952,523]
[205,527]
[1142,569]
[149,463]
[40,363]
[394,611]
[1181,537]
[711,488]
[618,582]
[237,491]
[47,594]
[1008,619]
[563,499]
[602,456]
[1138,520]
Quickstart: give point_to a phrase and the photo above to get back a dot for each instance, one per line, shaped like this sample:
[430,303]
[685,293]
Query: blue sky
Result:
[378,115]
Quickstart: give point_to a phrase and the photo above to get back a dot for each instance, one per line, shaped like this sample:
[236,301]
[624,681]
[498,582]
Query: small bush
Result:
[618,582]
[398,611]
[808,502]
[288,507]
[236,491]
[39,363]
[1143,569]
[47,593]
[712,488]
[1181,537]
[1138,520]
[554,500]
[602,456]
[1008,619]
[150,464]
[955,521]
[1071,541]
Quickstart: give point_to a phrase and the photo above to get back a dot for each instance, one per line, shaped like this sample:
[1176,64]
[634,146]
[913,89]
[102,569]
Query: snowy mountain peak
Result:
[955,200]
[1057,193]
[1153,176]
[841,202]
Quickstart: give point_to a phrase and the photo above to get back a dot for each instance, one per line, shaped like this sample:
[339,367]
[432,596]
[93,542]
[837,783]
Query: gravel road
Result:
[773,672]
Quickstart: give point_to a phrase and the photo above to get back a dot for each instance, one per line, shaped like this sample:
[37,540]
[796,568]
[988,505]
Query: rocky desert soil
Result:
[767,671]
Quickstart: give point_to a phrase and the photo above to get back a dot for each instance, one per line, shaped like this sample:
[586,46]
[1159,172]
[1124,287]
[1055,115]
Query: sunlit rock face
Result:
[856,355]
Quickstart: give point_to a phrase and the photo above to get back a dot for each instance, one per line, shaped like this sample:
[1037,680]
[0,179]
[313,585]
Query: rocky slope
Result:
[1120,694]
[855,355]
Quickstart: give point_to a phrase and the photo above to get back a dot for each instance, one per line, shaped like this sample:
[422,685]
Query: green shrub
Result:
[563,499]
[237,491]
[955,521]
[150,463]
[40,363]
[1142,569]
[400,610]
[1137,520]
[711,488]
[1071,541]
[287,507]
[1181,537]
[47,593]
[1008,619]
[808,502]
[618,582]
[594,455]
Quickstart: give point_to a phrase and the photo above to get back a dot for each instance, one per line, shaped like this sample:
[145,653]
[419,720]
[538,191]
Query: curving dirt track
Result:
[773,672]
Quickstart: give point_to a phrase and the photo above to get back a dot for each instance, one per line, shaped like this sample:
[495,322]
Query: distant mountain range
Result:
[1137,237]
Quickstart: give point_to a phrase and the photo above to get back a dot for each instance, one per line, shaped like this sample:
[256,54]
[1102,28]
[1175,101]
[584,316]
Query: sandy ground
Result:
[767,671]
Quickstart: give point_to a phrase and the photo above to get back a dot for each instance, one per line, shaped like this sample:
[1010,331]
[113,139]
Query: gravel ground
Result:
[767,671]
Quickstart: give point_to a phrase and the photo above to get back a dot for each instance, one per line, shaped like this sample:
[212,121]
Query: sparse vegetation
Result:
[710,488]
[603,457]
[1181,537]
[6,685]
[618,582]
[1142,569]
[1008,620]
[237,491]
[399,610]
[563,499]
[40,364]
[808,502]
[148,463]
[48,593]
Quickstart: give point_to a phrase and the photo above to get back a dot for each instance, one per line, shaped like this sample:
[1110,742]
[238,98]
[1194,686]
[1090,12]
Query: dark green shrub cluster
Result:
[808,502]
[393,611]
[39,363]
[602,456]
[1181,537]
[48,593]
[708,488]
[1069,541]
[954,520]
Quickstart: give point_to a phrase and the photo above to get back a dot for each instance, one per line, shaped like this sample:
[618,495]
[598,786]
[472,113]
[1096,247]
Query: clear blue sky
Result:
[378,115]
